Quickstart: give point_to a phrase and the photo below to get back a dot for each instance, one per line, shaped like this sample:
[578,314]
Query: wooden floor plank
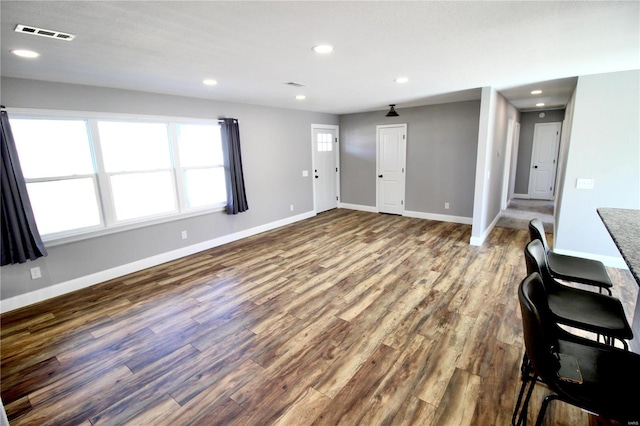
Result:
[352,402]
[459,400]
[348,317]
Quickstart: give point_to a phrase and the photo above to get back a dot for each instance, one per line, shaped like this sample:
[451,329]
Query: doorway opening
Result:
[519,213]
[533,170]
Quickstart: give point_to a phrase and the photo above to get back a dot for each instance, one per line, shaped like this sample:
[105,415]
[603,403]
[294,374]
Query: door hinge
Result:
[336,140]
[404,137]
[336,198]
[403,170]
[336,169]
[402,202]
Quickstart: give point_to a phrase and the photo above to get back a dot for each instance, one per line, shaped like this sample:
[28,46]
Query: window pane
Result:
[52,148]
[143,194]
[64,205]
[205,187]
[199,145]
[325,142]
[134,146]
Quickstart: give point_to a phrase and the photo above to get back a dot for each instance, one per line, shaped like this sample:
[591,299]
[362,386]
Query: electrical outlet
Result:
[184,235]
[305,173]
[446,206]
[291,207]
[36,273]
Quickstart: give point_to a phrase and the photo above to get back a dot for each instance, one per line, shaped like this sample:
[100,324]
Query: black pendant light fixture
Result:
[392,112]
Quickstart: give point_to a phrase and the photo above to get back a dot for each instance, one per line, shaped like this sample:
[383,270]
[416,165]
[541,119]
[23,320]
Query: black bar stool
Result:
[571,268]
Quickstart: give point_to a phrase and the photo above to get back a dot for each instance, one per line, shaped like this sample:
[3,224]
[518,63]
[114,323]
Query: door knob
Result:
[535,167]
[379,175]
[316,176]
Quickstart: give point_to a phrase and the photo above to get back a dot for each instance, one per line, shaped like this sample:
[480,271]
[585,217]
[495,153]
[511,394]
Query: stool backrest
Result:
[536,232]
[539,328]
[536,259]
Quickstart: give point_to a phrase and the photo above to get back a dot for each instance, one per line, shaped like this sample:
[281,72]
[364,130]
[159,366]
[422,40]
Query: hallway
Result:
[519,212]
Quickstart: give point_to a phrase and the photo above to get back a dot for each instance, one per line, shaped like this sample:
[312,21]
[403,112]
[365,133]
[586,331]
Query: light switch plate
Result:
[582,183]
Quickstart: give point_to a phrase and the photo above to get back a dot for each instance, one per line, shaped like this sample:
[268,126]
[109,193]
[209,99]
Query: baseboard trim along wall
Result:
[478,241]
[55,290]
[439,217]
[358,207]
[414,214]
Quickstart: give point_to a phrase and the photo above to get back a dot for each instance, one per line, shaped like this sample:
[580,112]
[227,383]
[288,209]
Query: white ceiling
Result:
[447,49]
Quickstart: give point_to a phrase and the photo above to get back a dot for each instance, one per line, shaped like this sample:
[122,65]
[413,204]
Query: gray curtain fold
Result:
[236,195]
[20,238]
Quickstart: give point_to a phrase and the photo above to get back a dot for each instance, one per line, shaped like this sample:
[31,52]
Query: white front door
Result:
[325,167]
[546,137]
[391,141]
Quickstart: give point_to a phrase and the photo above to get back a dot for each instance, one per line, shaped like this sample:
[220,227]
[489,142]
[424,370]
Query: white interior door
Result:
[546,137]
[325,168]
[391,141]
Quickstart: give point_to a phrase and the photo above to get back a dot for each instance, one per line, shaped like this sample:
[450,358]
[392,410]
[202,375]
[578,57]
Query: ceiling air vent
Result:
[44,33]
[294,84]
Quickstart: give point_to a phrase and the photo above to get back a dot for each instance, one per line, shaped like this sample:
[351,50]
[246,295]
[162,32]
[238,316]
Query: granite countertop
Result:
[624,227]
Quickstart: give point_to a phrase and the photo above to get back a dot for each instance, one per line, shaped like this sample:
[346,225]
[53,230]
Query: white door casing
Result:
[507,165]
[514,160]
[546,137]
[391,148]
[325,167]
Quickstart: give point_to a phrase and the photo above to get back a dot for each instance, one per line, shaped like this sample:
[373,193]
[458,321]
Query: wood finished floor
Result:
[347,318]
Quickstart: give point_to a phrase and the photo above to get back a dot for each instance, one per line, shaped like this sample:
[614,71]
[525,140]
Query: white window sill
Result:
[58,240]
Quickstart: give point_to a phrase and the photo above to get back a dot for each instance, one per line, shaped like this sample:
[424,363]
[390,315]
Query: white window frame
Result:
[180,170]
[109,224]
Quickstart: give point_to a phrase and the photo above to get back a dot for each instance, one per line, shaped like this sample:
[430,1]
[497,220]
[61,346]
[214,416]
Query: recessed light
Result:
[323,48]
[536,92]
[540,104]
[209,82]
[25,53]
[401,79]
[301,97]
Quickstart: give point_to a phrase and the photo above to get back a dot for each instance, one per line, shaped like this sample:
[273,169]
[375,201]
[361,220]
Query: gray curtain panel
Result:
[236,195]
[20,238]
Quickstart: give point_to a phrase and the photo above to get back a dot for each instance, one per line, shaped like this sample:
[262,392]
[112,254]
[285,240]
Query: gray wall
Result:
[491,161]
[605,146]
[528,120]
[497,155]
[442,144]
[276,148]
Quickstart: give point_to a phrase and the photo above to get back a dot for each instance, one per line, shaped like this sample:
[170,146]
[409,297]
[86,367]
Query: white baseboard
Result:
[521,196]
[358,207]
[478,241]
[414,214]
[439,217]
[55,290]
[612,261]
